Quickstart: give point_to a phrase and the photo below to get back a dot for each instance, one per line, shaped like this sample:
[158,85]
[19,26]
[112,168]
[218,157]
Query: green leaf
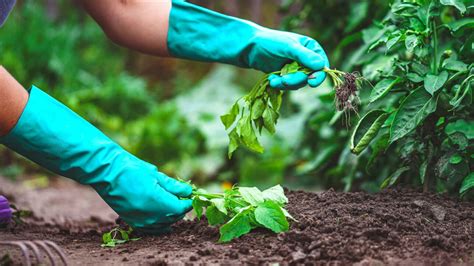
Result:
[454,65]
[251,195]
[276,98]
[456,3]
[290,68]
[411,42]
[414,77]
[248,136]
[393,40]
[412,111]
[420,69]
[461,126]
[459,24]
[270,215]
[455,159]
[393,178]
[366,130]
[275,194]
[270,118]
[467,184]
[107,238]
[198,204]
[257,108]
[229,119]
[435,82]
[219,204]
[234,141]
[378,148]
[237,226]
[214,216]
[382,88]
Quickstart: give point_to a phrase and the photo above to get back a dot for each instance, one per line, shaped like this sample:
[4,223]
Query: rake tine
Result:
[36,251]
[23,248]
[58,250]
[46,249]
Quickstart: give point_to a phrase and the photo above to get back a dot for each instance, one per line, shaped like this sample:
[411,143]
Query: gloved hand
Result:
[58,139]
[5,7]
[197,33]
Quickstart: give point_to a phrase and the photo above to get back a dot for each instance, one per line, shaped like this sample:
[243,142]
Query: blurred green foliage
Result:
[168,114]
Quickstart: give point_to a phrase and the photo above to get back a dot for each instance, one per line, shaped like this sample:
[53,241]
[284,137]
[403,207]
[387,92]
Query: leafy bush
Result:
[416,122]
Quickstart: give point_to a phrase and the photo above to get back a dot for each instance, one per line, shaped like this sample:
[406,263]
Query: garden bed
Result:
[386,228]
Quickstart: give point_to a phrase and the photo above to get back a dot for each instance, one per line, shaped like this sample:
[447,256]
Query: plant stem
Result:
[435,47]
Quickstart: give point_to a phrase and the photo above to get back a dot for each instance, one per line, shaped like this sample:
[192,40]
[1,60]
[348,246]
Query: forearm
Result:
[140,25]
[13,98]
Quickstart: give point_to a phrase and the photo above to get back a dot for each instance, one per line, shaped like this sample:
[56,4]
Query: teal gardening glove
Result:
[56,138]
[199,34]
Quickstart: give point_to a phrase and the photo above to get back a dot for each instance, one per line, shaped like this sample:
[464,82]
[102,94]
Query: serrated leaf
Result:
[467,184]
[275,194]
[382,88]
[237,226]
[251,195]
[270,215]
[435,82]
[214,216]
[366,130]
[412,111]
[456,3]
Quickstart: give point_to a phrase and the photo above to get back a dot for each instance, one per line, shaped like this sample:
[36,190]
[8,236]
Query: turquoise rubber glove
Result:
[58,139]
[200,34]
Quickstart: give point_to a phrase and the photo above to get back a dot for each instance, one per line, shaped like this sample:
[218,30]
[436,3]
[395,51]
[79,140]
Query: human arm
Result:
[45,131]
[184,30]
[13,98]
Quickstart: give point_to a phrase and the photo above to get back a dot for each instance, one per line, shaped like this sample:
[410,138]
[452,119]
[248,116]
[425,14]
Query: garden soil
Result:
[396,226]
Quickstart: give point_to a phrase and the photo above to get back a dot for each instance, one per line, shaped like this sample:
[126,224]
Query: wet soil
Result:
[398,226]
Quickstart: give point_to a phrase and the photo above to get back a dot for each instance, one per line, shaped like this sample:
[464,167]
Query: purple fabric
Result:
[5,210]
[5,7]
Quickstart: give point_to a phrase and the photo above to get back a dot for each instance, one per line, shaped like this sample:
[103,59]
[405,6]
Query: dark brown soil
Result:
[393,227]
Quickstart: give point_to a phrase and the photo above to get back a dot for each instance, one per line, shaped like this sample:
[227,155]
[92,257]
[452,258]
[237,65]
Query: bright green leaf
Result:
[455,159]
[461,126]
[252,195]
[237,226]
[229,119]
[220,205]
[275,194]
[270,215]
[214,216]
[411,42]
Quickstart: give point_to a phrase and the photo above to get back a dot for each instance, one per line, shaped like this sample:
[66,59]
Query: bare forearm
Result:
[140,25]
[13,98]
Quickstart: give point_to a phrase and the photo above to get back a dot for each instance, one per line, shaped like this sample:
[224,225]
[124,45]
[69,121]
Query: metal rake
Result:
[36,248]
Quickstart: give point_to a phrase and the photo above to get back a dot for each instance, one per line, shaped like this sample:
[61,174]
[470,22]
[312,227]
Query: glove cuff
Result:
[53,136]
[200,34]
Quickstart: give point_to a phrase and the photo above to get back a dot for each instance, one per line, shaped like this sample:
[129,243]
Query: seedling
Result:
[116,236]
[260,108]
[241,209]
